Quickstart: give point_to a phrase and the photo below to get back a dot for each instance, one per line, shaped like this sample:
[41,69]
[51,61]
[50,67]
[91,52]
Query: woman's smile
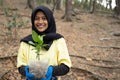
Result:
[40,25]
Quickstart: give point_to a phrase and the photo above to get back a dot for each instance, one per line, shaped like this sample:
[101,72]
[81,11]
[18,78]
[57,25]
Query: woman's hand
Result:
[29,76]
[48,75]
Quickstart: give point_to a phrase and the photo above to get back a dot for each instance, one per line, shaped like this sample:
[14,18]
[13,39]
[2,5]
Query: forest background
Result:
[91,30]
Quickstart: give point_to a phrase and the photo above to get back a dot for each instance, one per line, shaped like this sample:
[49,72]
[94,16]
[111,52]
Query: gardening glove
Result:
[48,75]
[29,76]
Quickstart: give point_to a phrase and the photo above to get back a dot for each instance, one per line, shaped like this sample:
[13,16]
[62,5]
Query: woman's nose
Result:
[41,20]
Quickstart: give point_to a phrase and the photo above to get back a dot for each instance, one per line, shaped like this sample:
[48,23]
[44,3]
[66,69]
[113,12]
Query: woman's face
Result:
[40,21]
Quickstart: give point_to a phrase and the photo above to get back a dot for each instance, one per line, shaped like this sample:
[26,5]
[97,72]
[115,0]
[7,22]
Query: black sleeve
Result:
[22,70]
[60,70]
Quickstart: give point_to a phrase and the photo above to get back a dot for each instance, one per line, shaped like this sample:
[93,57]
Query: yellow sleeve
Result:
[22,55]
[63,55]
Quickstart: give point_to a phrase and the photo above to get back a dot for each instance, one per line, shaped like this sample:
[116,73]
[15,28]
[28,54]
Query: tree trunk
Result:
[68,10]
[58,5]
[117,8]
[48,1]
[110,4]
[31,4]
[54,5]
[93,6]
[2,2]
[54,1]
[90,5]
[85,5]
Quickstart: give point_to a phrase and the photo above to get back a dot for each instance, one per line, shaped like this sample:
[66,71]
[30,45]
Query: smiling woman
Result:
[54,55]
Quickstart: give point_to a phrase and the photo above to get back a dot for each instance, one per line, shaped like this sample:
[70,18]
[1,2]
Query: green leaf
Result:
[40,40]
[37,48]
[39,43]
[35,36]
[30,42]
[44,45]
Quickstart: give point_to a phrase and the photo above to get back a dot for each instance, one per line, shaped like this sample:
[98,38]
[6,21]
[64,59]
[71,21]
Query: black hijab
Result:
[50,32]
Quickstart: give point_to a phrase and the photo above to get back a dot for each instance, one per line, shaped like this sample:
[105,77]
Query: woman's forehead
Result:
[40,13]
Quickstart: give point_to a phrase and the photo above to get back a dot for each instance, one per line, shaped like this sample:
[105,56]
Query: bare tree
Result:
[90,4]
[48,1]
[31,4]
[85,5]
[117,8]
[1,2]
[93,6]
[68,10]
[110,4]
[56,5]
[34,3]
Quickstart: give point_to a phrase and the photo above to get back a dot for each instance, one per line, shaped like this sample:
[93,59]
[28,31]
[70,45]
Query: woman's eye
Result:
[44,18]
[36,18]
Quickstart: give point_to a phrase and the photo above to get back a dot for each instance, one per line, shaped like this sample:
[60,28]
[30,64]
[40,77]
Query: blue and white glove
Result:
[48,75]
[29,76]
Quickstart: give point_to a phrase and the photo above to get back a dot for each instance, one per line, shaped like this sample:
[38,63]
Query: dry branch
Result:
[97,77]
[98,60]
[5,72]
[113,47]
[115,33]
[108,67]
[8,57]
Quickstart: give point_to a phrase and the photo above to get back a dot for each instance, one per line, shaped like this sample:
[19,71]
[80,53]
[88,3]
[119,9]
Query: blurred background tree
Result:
[117,8]
[71,6]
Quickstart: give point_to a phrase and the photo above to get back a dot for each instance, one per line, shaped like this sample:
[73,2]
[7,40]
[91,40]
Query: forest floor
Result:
[92,42]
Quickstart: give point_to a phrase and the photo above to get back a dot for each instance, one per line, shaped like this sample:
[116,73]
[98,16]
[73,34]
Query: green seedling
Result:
[38,42]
